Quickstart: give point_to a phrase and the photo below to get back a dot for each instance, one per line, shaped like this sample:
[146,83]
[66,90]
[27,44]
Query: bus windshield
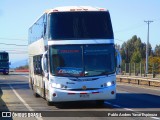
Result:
[80,25]
[4,57]
[82,60]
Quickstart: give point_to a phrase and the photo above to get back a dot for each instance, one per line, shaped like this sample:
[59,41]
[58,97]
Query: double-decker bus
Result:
[72,55]
[4,62]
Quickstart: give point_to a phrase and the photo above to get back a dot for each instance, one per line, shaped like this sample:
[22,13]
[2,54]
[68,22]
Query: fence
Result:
[138,69]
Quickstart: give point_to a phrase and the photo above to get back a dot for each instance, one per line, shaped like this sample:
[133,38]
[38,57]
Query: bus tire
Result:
[50,103]
[35,93]
[31,83]
[4,73]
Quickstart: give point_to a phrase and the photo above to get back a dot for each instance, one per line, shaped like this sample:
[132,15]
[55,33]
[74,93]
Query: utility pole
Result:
[147,45]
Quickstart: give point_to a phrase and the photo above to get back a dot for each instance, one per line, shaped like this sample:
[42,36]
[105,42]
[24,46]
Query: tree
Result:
[124,53]
[118,47]
[132,46]
[157,50]
[23,67]
[136,57]
[154,63]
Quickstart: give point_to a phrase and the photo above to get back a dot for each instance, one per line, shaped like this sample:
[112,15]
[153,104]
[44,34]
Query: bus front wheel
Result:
[5,73]
[35,93]
[50,103]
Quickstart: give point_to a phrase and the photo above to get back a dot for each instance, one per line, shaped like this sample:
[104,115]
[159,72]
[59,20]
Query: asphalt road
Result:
[15,95]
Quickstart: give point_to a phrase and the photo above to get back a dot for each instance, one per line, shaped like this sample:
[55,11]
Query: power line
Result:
[12,50]
[14,39]
[130,28]
[12,44]
[134,27]
[19,53]
[119,40]
[157,19]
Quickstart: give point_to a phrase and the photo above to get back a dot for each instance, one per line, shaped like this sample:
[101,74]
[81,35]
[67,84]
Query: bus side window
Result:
[37,65]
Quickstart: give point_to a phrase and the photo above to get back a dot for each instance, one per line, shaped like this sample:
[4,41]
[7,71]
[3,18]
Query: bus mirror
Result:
[118,62]
[9,63]
[44,30]
[44,64]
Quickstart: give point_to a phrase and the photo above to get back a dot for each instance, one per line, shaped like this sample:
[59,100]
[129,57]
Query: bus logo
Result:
[84,87]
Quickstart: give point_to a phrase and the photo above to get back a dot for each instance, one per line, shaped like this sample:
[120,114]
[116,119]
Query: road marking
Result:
[118,106]
[138,86]
[108,103]
[128,109]
[23,101]
[3,78]
[14,83]
[25,76]
[155,118]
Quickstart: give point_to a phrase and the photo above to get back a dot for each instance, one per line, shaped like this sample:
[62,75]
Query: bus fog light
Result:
[54,94]
[112,92]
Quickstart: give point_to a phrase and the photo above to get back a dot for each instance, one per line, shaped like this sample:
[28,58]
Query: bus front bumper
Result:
[59,95]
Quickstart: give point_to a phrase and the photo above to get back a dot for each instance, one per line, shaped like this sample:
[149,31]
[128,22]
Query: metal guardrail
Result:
[139,81]
[138,69]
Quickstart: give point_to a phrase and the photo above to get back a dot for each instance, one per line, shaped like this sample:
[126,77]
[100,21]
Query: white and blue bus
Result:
[72,55]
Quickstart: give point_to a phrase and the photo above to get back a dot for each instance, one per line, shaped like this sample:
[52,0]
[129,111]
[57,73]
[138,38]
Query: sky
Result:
[127,16]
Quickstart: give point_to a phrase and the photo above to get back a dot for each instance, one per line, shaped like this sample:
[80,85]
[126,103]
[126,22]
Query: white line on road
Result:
[25,76]
[155,118]
[23,101]
[139,86]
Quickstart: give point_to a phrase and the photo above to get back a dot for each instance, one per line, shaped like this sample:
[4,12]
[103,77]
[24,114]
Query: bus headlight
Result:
[59,86]
[108,84]
[53,85]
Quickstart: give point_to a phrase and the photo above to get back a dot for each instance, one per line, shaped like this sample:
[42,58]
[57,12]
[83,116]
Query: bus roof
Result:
[74,8]
[3,52]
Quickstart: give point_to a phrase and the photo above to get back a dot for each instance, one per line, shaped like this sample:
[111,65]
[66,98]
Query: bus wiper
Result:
[105,73]
[70,75]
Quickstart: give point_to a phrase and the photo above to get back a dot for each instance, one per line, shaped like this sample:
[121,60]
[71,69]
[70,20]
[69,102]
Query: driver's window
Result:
[45,63]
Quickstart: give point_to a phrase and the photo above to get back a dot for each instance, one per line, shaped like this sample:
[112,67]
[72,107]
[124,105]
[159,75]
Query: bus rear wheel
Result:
[35,93]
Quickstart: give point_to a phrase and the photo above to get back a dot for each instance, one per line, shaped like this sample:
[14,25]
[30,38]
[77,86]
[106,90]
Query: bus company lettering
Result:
[70,71]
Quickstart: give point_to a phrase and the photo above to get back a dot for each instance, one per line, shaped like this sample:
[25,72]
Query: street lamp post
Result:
[147,45]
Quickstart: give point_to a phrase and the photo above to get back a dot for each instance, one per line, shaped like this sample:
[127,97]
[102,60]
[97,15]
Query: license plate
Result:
[84,95]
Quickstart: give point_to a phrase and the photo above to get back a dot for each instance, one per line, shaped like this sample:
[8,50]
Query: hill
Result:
[19,63]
